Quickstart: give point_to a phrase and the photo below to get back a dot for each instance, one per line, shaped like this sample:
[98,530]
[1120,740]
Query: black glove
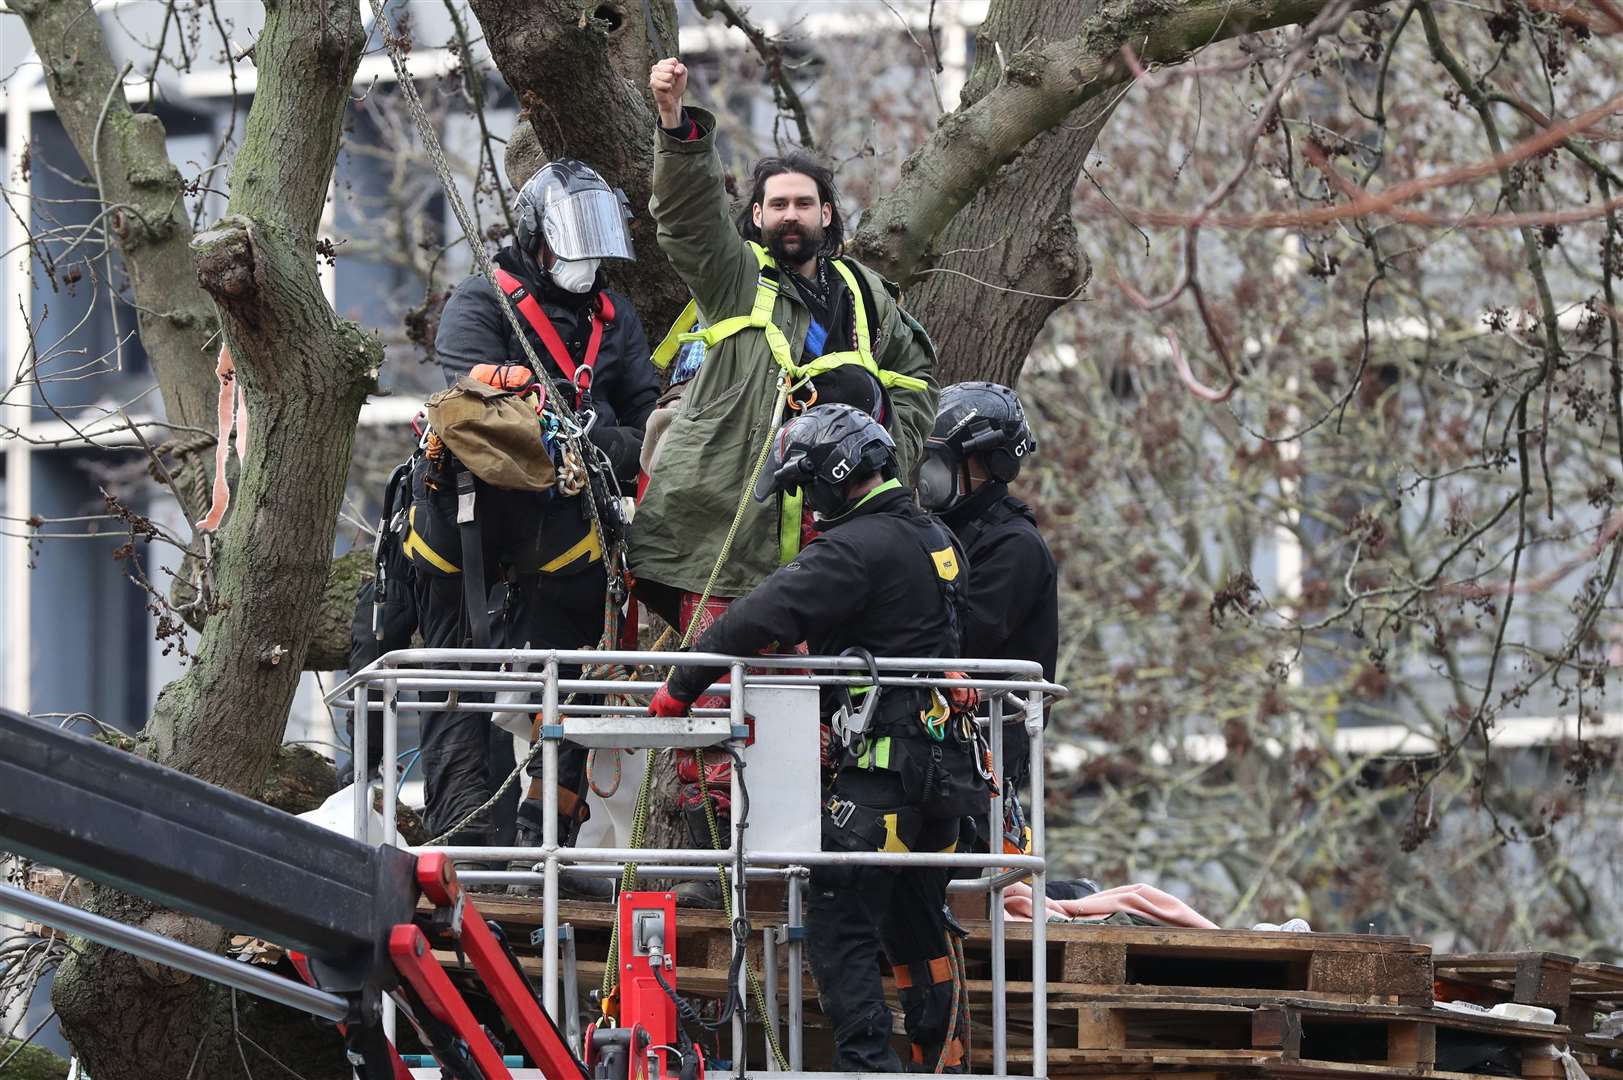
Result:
[622,446]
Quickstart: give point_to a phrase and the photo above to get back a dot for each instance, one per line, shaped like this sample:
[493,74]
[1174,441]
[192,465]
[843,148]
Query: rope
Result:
[959,1002]
[639,820]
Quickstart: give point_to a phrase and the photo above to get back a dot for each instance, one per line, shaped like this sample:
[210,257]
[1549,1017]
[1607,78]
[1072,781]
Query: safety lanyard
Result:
[579,375]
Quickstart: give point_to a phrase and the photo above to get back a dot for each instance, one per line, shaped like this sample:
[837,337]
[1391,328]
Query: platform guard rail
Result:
[530,681]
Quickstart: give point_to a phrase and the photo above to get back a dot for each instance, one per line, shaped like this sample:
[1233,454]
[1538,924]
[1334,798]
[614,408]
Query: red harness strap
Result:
[579,375]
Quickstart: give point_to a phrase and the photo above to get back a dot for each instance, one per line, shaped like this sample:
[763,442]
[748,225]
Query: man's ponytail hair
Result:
[795,161]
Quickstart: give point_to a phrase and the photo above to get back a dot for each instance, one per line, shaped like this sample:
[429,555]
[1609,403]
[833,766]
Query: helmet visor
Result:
[588,225]
[938,481]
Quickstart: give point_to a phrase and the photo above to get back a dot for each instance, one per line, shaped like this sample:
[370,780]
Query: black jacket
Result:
[870,581]
[1013,582]
[473,330]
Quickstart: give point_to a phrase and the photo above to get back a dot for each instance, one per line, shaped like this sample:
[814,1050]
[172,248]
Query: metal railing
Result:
[1003,683]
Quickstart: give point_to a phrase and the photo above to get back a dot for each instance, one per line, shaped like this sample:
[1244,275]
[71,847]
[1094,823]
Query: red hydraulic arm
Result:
[535,1029]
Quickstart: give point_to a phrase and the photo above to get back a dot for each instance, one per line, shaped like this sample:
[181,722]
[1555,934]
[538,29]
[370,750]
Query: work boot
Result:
[924,1058]
[572,885]
[702,892]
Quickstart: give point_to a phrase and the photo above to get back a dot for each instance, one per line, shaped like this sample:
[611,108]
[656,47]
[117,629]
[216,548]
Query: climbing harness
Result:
[768,285]
[578,374]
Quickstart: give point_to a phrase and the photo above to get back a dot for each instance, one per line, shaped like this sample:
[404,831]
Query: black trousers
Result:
[465,756]
[856,912]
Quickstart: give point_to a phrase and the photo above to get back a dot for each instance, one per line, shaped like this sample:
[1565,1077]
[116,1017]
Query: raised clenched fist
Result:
[668,79]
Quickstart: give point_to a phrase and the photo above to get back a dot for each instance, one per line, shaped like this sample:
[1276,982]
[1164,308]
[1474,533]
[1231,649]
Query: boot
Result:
[701,892]
[571,884]
[924,1058]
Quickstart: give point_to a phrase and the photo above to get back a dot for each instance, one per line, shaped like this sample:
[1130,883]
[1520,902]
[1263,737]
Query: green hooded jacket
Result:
[707,455]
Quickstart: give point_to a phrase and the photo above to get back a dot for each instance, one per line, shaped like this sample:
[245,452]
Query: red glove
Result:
[668,704]
[963,698]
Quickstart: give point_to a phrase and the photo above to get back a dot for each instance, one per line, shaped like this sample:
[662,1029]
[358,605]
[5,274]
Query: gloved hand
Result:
[963,698]
[622,446]
[668,704]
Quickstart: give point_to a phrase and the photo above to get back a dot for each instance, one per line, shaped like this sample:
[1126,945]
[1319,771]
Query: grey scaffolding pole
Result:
[454,670]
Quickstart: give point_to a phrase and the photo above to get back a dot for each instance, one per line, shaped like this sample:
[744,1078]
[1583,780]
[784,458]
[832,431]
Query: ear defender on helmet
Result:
[973,418]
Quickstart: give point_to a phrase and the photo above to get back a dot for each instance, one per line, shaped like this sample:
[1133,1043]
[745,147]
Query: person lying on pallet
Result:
[546,563]
[776,308]
[882,578]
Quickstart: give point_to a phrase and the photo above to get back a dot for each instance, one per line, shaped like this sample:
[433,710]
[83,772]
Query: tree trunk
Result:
[148,225]
[304,373]
[1010,258]
[581,74]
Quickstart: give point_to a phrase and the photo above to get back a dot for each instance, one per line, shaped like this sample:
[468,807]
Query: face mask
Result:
[575,275]
[938,482]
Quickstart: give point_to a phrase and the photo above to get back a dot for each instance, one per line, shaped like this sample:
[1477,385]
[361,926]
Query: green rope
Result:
[639,819]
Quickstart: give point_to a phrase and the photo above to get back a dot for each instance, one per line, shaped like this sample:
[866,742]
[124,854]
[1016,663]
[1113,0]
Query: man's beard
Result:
[808,241]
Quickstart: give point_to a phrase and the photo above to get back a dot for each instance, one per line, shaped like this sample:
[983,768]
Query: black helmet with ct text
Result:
[822,452]
[972,418]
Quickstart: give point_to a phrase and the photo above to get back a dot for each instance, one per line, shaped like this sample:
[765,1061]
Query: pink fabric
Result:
[231,409]
[1145,900]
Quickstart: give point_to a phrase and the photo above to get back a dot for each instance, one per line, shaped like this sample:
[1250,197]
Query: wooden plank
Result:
[1061,1057]
[1411,1044]
[1403,974]
[1101,1029]
[1096,963]
[1204,940]
[1220,994]
[1544,980]
[1277,1029]
[1506,961]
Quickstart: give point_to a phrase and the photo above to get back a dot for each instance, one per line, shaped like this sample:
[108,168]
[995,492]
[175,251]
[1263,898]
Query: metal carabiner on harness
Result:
[850,723]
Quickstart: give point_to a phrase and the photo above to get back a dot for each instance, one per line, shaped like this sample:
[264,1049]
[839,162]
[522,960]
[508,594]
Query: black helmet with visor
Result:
[972,418]
[567,204]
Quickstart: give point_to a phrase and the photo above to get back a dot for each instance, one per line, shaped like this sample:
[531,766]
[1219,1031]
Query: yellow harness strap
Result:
[760,318]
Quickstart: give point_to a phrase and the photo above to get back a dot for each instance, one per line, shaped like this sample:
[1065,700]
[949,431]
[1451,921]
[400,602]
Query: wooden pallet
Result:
[1084,959]
[1580,992]
[1390,1036]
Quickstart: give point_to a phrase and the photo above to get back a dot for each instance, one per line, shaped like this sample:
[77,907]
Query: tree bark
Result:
[581,73]
[304,373]
[1011,258]
[148,223]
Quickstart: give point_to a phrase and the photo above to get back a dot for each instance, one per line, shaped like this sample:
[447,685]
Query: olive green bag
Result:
[494,434]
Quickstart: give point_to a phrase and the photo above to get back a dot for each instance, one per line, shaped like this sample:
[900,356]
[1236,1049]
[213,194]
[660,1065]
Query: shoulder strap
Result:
[947,561]
[862,295]
[1013,508]
[579,374]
